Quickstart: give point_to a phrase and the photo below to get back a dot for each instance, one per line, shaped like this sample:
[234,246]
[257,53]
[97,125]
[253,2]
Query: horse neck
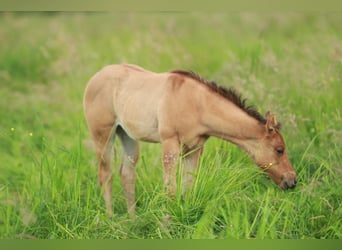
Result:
[225,120]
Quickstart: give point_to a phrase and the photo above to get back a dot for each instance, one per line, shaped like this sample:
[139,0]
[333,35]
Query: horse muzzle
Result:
[288,181]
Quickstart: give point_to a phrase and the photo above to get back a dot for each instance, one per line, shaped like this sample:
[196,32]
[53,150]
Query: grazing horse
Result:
[181,111]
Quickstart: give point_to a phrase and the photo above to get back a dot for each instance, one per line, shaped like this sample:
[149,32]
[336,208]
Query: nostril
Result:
[289,184]
[293,184]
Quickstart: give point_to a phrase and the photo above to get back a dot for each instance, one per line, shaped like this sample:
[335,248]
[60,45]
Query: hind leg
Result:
[101,118]
[127,170]
[102,132]
[103,142]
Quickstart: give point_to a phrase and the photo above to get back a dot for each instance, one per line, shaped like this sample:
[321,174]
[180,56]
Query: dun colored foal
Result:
[181,111]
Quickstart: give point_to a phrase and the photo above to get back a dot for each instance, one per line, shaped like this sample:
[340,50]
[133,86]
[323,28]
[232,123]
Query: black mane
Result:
[228,93]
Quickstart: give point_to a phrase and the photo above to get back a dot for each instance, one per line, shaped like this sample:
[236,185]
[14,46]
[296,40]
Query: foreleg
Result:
[190,162]
[171,152]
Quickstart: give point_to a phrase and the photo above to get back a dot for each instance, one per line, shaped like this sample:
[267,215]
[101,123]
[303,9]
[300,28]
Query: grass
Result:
[290,63]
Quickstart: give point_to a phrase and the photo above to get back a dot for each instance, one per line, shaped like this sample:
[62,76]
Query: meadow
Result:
[290,63]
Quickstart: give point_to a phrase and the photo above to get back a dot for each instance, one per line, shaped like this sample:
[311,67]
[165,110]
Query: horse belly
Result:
[139,119]
[141,130]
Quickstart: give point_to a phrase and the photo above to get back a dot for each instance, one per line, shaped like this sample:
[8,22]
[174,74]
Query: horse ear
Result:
[271,122]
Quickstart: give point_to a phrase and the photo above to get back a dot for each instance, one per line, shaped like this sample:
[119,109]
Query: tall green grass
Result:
[290,63]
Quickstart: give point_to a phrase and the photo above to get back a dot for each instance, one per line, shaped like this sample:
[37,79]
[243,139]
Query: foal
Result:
[181,111]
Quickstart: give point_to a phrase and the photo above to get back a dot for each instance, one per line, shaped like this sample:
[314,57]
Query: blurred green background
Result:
[287,62]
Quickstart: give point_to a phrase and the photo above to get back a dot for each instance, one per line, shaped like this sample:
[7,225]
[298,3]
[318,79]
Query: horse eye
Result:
[280,151]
